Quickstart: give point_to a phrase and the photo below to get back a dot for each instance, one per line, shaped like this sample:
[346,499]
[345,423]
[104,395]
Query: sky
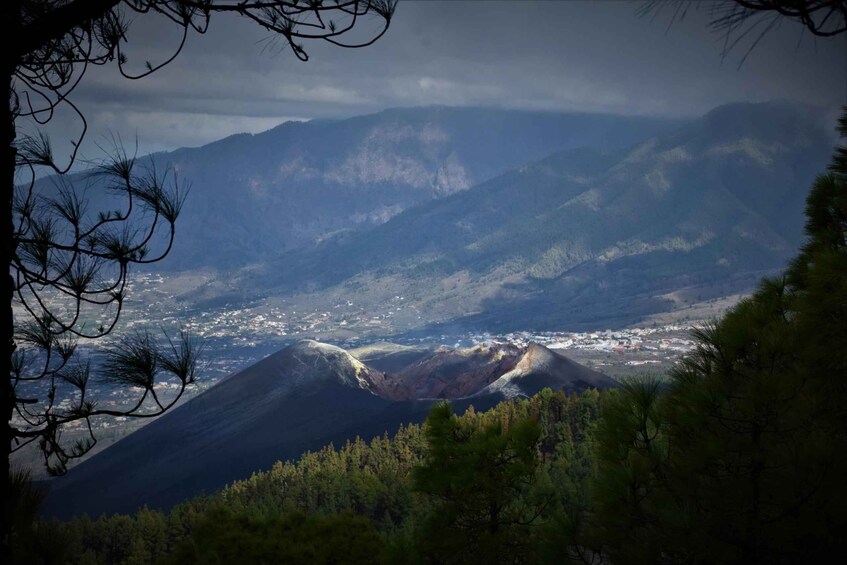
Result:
[557,56]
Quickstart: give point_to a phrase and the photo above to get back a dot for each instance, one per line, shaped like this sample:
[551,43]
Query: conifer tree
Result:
[480,479]
[742,460]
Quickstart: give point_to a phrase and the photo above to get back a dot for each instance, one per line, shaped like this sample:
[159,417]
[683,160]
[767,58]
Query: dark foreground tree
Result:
[67,266]
[743,459]
[480,478]
[224,536]
[744,23]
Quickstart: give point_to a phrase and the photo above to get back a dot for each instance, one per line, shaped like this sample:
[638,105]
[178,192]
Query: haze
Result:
[558,56]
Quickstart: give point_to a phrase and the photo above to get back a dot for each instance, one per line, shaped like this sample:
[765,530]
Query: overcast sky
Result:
[561,56]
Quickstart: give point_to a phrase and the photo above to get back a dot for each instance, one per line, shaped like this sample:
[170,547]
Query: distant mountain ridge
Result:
[301,398]
[256,195]
[495,219]
[585,237]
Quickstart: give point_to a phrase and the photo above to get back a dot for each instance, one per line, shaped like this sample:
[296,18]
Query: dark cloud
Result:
[569,56]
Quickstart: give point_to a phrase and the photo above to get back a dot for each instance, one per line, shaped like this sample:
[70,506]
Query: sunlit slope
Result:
[299,399]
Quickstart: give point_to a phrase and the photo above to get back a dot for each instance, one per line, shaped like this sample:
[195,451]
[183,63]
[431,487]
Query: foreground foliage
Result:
[743,458]
[481,479]
[365,497]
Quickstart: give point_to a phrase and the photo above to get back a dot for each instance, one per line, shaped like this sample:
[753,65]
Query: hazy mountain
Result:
[587,236]
[301,398]
[253,196]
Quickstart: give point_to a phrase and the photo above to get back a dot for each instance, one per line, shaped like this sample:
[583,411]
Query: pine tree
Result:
[480,478]
[743,459]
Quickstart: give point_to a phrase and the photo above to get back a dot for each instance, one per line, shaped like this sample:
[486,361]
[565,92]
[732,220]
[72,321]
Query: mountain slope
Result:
[253,196]
[586,236]
[390,357]
[450,373]
[301,398]
[276,409]
[539,368]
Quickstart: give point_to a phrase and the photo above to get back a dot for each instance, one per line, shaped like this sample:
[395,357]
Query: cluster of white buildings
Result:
[671,338]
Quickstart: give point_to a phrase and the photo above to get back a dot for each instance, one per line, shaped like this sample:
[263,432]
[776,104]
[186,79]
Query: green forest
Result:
[737,456]
[505,482]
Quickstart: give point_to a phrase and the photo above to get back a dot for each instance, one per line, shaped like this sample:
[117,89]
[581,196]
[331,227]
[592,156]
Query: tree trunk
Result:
[10,27]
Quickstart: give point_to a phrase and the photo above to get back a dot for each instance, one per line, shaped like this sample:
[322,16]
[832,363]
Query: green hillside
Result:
[372,481]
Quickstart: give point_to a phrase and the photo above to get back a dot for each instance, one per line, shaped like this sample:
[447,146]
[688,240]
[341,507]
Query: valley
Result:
[432,260]
[240,337]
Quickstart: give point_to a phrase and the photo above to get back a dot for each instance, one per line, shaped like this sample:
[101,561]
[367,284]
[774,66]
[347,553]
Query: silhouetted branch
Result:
[69,266]
[749,21]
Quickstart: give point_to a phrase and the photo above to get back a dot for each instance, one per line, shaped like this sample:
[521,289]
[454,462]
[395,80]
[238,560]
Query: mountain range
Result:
[255,196]
[585,237]
[302,398]
[495,219]
[469,218]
